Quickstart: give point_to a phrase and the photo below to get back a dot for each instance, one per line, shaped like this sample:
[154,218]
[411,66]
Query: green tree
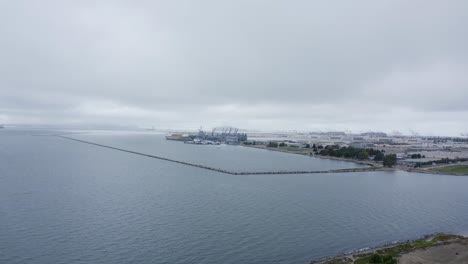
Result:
[363,155]
[375,258]
[272,144]
[389,160]
[282,144]
[324,152]
[389,259]
[379,156]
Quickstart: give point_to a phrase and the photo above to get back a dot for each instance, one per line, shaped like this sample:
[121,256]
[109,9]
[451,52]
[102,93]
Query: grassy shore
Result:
[460,169]
[307,152]
[453,169]
[457,170]
[430,250]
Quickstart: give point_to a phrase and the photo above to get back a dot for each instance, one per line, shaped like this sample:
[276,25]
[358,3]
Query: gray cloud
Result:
[361,65]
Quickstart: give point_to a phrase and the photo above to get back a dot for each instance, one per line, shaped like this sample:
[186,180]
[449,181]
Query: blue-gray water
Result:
[67,202]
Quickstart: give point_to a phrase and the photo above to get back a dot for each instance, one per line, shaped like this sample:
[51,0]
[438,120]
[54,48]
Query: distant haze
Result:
[271,65]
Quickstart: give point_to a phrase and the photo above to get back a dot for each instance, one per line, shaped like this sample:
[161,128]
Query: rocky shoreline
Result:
[394,251]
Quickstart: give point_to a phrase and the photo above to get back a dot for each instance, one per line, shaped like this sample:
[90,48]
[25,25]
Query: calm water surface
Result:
[67,202]
[232,158]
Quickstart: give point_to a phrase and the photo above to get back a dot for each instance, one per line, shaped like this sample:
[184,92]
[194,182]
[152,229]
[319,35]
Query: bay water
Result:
[67,202]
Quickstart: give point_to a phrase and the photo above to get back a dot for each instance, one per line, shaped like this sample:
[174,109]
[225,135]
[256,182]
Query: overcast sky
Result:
[279,65]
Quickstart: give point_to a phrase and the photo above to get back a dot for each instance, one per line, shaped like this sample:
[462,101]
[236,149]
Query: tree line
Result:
[359,154]
[347,152]
[440,161]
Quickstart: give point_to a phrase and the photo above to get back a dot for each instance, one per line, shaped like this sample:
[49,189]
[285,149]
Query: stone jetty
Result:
[218,169]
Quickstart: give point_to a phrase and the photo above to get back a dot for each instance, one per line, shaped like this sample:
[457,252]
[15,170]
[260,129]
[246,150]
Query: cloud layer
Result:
[360,65]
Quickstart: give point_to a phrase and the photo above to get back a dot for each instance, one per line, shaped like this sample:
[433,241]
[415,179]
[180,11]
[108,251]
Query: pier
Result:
[218,169]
